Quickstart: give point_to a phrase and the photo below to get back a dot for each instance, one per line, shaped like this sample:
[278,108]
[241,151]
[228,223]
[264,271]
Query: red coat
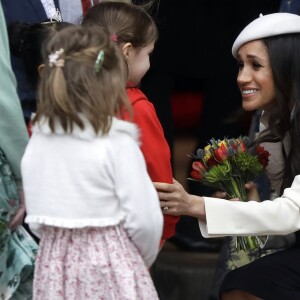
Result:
[154,146]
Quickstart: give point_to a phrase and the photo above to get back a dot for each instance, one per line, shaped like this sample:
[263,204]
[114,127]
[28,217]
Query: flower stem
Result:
[235,188]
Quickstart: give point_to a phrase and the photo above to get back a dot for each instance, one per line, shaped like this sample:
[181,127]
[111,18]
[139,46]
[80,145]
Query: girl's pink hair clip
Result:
[114,38]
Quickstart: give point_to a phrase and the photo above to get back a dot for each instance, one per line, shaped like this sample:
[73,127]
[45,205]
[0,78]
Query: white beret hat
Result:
[265,26]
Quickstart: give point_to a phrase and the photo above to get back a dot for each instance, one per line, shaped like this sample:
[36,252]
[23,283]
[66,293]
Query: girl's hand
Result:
[19,216]
[223,195]
[252,193]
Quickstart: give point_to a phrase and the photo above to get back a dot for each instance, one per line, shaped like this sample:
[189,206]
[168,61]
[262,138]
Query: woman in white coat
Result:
[267,51]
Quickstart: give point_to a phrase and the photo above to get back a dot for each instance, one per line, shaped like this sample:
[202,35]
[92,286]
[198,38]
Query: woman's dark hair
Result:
[284,54]
[26,41]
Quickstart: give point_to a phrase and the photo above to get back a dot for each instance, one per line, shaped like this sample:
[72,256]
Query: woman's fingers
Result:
[163,204]
[219,194]
[174,200]
[164,187]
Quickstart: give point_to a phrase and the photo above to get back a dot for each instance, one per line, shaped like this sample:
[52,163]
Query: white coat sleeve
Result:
[139,201]
[280,216]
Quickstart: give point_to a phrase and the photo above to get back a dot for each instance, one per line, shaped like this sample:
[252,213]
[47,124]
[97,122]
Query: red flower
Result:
[196,175]
[221,153]
[199,167]
[262,155]
[198,170]
[211,162]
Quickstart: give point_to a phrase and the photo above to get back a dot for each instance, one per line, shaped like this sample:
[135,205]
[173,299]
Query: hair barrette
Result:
[99,61]
[114,38]
[55,60]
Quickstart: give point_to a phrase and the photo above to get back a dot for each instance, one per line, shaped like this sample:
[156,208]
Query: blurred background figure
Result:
[25,42]
[31,12]
[18,249]
[290,6]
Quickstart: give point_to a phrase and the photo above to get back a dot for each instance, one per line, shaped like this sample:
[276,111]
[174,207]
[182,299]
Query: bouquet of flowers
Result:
[226,165]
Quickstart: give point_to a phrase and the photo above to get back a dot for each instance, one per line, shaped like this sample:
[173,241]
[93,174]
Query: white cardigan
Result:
[83,179]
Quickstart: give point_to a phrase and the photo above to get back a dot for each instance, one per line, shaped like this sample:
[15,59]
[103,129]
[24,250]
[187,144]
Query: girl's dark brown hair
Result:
[76,88]
[128,22]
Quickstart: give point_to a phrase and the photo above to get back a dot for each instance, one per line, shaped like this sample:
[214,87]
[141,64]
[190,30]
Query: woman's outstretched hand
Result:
[174,200]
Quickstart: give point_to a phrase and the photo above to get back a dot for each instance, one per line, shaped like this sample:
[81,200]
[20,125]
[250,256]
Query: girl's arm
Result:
[139,201]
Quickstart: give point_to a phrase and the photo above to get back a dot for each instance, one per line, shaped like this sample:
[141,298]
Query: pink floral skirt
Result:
[90,263]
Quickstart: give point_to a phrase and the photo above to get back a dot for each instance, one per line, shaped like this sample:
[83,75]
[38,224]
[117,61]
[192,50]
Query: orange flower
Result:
[241,147]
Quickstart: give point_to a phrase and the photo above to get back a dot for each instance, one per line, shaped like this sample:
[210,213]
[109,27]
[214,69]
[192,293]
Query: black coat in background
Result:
[29,11]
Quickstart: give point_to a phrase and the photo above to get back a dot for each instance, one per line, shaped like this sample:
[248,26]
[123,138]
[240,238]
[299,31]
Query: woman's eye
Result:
[256,65]
[240,65]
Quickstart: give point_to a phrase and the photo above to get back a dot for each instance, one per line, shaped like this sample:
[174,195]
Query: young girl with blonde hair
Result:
[88,195]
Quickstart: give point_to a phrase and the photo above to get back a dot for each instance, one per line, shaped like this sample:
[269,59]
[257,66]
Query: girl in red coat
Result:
[135,32]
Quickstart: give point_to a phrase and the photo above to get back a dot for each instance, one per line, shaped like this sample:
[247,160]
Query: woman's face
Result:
[255,77]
